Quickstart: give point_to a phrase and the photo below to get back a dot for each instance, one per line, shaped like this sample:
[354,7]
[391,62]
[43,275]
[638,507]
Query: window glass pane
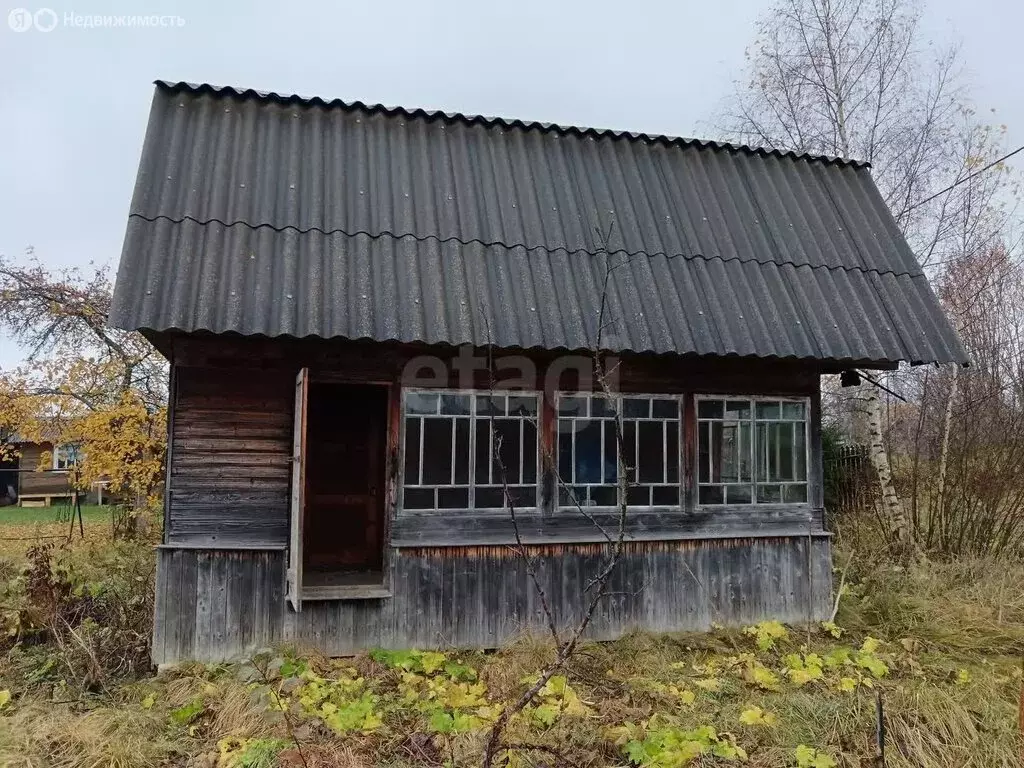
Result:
[638,496]
[716,451]
[710,494]
[529,452]
[665,409]
[572,406]
[483,451]
[488,405]
[761,452]
[704,452]
[507,432]
[457,448]
[709,409]
[783,433]
[652,452]
[412,451]
[600,406]
[455,404]
[437,451]
[587,461]
[727,453]
[746,450]
[418,498]
[745,441]
[737,409]
[611,452]
[565,434]
[793,411]
[522,496]
[421,402]
[522,406]
[452,498]
[795,494]
[800,446]
[737,494]
[570,496]
[672,441]
[665,495]
[489,498]
[604,496]
[462,457]
[634,408]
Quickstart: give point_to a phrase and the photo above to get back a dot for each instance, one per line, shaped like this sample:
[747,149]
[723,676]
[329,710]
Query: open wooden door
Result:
[298,500]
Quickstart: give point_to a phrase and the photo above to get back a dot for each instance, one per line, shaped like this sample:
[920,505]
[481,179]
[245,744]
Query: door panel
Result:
[298,500]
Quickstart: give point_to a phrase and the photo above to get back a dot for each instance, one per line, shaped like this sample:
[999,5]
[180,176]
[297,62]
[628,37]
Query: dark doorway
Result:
[8,481]
[346,445]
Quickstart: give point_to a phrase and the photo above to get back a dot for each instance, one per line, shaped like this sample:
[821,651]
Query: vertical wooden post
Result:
[688,436]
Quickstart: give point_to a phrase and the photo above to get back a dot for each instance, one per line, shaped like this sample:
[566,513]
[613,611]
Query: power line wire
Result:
[965,179]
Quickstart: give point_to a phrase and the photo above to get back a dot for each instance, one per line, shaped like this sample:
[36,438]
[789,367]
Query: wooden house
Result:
[35,473]
[358,301]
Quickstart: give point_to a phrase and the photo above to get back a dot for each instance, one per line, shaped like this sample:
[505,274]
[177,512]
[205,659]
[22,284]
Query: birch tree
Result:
[856,79]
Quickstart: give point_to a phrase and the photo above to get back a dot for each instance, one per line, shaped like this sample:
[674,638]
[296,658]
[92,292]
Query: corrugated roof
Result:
[266,214]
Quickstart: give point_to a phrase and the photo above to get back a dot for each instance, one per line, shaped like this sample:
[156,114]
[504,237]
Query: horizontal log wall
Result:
[230,465]
[214,605]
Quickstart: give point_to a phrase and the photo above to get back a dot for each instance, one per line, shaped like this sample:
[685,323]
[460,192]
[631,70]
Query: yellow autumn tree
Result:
[82,382]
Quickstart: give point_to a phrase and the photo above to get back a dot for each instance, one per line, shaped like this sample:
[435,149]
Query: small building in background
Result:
[36,473]
[381,324]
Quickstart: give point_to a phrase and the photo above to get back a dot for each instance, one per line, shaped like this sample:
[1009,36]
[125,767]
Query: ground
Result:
[936,647]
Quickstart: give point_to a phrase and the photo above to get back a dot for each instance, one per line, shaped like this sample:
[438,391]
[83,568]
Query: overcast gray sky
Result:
[74,100]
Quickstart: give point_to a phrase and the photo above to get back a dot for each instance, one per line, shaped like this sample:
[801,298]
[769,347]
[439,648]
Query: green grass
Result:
[29,515]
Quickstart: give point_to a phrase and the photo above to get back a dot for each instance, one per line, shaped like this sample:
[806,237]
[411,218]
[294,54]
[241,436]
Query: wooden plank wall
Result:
[40,483]
[231,448]
[216,605]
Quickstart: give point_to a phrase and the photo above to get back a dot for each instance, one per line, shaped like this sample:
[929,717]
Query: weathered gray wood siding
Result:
[230,463]
[215,605]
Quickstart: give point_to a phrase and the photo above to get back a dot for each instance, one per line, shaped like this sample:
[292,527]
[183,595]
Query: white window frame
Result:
[754,482]
[619,397]
[57,457]
[473,417]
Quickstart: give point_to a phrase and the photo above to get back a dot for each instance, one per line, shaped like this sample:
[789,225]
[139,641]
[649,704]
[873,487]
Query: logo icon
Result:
[20,19]
[45,20]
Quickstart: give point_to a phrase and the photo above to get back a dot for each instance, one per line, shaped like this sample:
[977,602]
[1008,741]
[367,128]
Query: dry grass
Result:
[60,737]
[954,637]
[16,539]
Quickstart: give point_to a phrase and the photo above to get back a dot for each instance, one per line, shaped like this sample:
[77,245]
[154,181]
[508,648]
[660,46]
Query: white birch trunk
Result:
[891,507]
[947,420]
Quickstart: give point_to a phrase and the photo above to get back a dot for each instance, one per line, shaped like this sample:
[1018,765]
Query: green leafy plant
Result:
[662,743]
[234,752]
[766,634]
[344,704]
[809,757]
[189,713]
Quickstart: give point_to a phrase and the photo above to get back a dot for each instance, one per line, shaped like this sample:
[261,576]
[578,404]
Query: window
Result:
[751,451]
[65,456]
[450,441]
[587,450]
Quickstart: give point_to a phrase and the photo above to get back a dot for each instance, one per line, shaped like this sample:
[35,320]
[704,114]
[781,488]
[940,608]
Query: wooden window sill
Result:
[346,592]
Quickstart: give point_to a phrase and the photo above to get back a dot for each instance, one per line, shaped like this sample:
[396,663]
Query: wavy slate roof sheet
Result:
[277,215]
